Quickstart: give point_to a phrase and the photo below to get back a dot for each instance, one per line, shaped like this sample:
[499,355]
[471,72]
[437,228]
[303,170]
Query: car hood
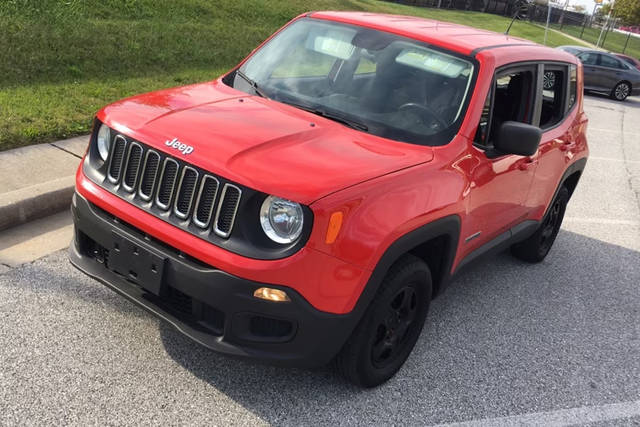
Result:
[263,144]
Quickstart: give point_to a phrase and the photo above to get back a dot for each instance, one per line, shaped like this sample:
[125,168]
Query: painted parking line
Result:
[601,221]
[608,130]
[609,159]
[562,417]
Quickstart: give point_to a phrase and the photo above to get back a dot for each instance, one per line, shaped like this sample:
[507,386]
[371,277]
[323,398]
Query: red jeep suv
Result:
[307,206]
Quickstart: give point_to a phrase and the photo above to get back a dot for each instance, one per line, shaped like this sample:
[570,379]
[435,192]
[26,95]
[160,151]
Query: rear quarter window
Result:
[608,61]
[573,86]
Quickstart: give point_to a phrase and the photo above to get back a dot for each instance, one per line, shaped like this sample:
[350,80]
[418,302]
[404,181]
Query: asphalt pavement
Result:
[508,344]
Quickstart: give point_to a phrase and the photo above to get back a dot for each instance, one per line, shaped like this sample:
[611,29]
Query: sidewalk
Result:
[576,39]
[38,180]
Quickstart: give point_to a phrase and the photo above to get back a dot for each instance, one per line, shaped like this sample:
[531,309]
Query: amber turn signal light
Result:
[335,222]
[270,294]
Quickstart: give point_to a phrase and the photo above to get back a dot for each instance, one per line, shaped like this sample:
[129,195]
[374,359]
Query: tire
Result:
[390,327]
[621,91]
[537,246]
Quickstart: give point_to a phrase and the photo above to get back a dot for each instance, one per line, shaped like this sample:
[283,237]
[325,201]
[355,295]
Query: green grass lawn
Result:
[60,61]
[614,41]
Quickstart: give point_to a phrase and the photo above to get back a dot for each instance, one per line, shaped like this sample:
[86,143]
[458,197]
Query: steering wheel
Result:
[432,114]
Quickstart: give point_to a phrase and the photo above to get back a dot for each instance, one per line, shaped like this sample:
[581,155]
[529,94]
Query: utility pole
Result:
[546,28]
[609,28]
[566,3]
[602,29]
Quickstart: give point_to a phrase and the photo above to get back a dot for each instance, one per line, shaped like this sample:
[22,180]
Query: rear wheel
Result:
[621,91]
[390,327]
[536,247]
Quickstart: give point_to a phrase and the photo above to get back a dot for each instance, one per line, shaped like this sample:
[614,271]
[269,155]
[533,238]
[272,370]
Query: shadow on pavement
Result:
[505,338]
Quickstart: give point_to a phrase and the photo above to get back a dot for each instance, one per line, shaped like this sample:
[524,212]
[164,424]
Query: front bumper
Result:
[212,307]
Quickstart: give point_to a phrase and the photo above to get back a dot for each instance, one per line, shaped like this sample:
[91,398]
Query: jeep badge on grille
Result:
[177,145]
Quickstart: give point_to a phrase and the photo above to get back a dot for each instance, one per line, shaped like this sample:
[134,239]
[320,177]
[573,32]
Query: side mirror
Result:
[518,138]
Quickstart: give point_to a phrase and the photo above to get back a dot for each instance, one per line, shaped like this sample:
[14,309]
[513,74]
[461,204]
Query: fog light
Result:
[270,294]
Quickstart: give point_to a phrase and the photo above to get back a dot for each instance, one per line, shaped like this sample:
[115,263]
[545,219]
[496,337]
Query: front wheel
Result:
[535,248]
[390,327]
[621,91]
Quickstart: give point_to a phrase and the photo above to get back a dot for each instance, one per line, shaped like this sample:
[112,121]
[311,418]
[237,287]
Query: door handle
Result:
[527,164]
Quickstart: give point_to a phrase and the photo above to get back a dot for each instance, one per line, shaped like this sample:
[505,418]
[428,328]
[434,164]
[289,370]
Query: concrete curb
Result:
[38,180]
[37,201]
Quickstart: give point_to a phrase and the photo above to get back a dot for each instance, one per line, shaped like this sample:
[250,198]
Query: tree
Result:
[604,10]
[628,11]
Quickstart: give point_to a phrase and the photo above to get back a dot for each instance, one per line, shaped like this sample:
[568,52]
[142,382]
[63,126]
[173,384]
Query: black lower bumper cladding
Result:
[212,307]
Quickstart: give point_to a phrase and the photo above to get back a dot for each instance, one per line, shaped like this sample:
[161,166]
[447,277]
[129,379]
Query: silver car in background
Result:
[605,73]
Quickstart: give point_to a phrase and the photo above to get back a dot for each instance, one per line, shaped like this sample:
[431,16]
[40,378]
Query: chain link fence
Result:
[601,31]
[594,29]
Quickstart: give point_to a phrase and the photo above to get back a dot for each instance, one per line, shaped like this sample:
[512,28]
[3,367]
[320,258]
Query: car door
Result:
[611,70]
[556,105]
[499,183]
[590,70]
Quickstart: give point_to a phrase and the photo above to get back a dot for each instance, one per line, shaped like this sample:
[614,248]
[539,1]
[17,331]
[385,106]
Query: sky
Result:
[586,3]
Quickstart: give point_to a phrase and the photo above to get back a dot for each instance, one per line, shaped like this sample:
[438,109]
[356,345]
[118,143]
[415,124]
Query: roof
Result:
[460,38]
[575,47]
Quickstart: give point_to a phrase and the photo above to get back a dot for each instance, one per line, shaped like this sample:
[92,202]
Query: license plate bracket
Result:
[138,264]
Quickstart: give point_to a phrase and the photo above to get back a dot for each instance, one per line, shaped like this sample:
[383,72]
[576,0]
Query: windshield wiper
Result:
[252,83]
[329,115]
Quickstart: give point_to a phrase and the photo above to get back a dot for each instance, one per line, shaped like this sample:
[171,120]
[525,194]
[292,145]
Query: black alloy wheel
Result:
[391,332]
[390,327]
[537,246]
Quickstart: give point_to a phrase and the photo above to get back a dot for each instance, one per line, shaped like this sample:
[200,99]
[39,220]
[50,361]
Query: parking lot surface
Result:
[508,343]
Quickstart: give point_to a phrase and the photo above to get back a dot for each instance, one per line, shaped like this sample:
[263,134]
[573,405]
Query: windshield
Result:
[373,81]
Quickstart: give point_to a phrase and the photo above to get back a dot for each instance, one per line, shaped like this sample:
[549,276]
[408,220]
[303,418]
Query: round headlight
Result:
[281,219]
[104,142]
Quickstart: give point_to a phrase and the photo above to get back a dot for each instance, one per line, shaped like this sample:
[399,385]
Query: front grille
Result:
[117,157]
[204,203]
[268,327]
[149,175]
[132,167]
[167,183]
[227,210]
[186,190]
[172,189]
[178,301]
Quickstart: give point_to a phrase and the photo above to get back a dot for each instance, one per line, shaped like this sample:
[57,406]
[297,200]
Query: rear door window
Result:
[553,95]
[607,61]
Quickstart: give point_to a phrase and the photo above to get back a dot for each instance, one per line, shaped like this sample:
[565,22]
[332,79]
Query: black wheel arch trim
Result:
[577,166]
[448,227]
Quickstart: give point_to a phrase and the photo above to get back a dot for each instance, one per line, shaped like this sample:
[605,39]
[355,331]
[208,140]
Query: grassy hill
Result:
[60,61]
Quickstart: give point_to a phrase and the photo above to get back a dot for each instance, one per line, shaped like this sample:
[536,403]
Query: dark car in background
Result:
[629,60]
[605,73]
[573,50]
